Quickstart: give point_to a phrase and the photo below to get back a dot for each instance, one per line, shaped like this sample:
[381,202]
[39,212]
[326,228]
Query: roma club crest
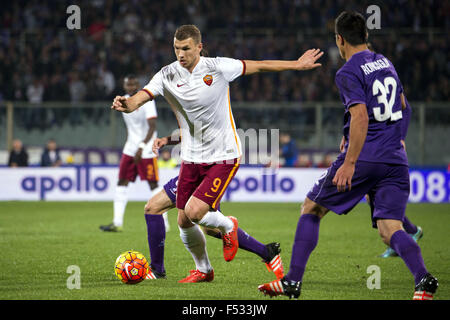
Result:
[208,79]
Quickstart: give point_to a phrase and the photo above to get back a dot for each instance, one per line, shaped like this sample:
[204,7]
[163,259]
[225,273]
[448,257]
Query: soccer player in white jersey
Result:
[137,155]
[197,89]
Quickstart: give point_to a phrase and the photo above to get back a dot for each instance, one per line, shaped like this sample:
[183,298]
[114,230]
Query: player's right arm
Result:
[130,104]
[406,112]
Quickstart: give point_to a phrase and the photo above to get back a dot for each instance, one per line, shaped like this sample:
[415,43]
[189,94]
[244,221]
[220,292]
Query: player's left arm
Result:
[406,113]
[306,62]
[359,123]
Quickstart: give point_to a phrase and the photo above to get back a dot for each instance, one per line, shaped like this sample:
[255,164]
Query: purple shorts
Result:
[171,190]
[386,184]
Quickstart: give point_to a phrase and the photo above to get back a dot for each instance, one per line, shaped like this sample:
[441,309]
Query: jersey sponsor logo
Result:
[208,79]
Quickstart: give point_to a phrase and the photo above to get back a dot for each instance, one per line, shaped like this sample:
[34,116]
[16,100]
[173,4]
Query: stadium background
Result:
[58,84]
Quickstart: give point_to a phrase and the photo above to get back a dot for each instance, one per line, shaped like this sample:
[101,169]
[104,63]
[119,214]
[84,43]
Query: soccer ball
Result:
[131,267]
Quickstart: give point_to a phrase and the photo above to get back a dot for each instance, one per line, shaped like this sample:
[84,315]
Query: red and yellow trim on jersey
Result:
[230,176]
[244,68]
[149,93]
[232,122]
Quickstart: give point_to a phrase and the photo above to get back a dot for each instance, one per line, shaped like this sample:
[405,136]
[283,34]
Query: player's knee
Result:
[386,228]
[193,213]
[385,237]
[310,207]
[183,221]
[148,209]
[151,208]
[195,210]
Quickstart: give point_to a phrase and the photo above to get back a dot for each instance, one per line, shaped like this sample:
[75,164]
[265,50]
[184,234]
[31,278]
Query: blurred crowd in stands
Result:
[50,156]
[41,60]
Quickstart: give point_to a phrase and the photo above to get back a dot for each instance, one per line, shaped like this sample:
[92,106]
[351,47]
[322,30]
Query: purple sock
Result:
[409,251]
[409,226]
[156,235]
[306,238]
[249,243]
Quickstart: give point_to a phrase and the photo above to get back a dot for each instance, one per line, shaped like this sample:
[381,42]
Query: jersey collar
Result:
[186,72]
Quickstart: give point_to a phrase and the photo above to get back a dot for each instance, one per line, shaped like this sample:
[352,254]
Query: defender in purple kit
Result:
[374,162]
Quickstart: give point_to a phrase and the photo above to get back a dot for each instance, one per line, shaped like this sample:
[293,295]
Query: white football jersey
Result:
[137,129]
[201,103]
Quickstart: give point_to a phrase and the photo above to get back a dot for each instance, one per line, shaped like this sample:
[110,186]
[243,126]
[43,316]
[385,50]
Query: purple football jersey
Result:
[370,78]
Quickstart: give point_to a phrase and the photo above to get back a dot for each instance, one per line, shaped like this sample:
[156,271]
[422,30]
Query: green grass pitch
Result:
[40,240]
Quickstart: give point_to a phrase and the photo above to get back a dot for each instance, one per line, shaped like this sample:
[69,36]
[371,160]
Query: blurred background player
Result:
[51,157]
[18,157]
[137,155]
[165,160]
[289,150]
[374,162]
[197,88]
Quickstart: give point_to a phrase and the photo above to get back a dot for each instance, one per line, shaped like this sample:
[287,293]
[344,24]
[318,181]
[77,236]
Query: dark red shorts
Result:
[147,169]
[206,182]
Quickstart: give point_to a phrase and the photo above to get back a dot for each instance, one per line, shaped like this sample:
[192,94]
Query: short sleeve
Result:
[150,110]
[155,87]
[230,68]
[350,88]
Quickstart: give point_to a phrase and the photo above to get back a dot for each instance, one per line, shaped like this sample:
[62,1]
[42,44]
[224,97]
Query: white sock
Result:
[194,240]
[120,203]
[215,219]
[166,221]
